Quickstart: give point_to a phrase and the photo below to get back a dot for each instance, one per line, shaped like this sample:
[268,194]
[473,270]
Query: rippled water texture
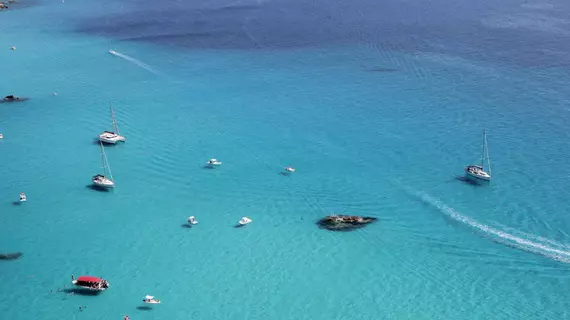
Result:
[378,105]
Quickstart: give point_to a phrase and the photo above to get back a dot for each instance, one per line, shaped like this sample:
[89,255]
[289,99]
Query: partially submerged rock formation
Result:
[10,256]
[344,223]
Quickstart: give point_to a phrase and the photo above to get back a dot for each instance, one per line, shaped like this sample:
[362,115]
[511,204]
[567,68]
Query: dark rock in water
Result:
[10,256]
[13,98]
[344,223]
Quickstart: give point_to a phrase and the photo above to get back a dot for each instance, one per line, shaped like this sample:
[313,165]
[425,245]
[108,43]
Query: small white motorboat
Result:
[244,221]
[150,300]
[112,51]
[23,197]
[290,169]
[192,220]
[1,136]
[213,162]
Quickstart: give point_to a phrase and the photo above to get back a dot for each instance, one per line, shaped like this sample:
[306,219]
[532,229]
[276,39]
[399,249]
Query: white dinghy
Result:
[150,300]
[192,220]
[244,221]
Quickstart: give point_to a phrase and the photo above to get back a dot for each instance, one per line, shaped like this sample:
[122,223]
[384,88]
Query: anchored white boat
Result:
[478,171]
[213,163]
[244,221]
[23,197]
[290,169]
[1,136]
[112,137]
[104,180]
[150,300]
[192,220]
[90,283]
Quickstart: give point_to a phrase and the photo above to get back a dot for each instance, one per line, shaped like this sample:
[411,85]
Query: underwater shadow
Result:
[468,181]
[105,144]
[97,188]
[285,174]
[11,256]
[208,167]
[186,225]
[81,292]
[344,229]
[16,203]
[144,308]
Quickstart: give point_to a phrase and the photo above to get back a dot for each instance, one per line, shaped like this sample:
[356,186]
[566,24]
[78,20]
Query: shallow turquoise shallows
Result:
[379,105]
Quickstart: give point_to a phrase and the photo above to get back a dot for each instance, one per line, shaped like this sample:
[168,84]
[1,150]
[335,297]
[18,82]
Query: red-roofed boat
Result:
[90,283]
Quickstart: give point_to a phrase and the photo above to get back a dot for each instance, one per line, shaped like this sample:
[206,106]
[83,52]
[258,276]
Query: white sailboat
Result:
[112,137]
[104,180]
[478,171]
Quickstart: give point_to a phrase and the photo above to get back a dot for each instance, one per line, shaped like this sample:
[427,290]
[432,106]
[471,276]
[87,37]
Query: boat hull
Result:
[104,184]
[111,139]
[477,176]
[90,288]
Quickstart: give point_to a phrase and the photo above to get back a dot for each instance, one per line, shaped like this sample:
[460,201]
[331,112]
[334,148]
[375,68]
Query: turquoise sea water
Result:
[378,106]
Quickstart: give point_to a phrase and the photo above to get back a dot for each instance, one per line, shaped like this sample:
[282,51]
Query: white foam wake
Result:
[533,243]
[135,61]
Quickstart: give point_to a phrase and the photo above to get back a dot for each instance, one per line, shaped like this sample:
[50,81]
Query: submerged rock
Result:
[344,223]
[10,256]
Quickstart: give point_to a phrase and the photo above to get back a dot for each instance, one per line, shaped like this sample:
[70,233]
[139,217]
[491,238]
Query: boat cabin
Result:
[99,177]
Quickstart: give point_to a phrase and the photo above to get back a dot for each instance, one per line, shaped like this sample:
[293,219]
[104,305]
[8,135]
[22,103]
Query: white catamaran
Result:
[114,136]
[478,171]
[104,180]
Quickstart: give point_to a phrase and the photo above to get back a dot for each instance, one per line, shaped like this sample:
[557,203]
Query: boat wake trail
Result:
[135,61]
[522,241]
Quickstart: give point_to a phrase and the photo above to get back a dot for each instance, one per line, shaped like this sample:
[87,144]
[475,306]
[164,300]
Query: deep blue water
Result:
[378,104]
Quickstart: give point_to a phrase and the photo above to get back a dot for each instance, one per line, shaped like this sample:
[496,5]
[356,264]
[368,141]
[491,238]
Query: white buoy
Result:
[55,93]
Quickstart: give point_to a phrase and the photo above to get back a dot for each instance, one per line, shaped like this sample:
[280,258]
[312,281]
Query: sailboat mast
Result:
[115,126]
[487,151]
[106,168]
[483,151]
[103,160]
